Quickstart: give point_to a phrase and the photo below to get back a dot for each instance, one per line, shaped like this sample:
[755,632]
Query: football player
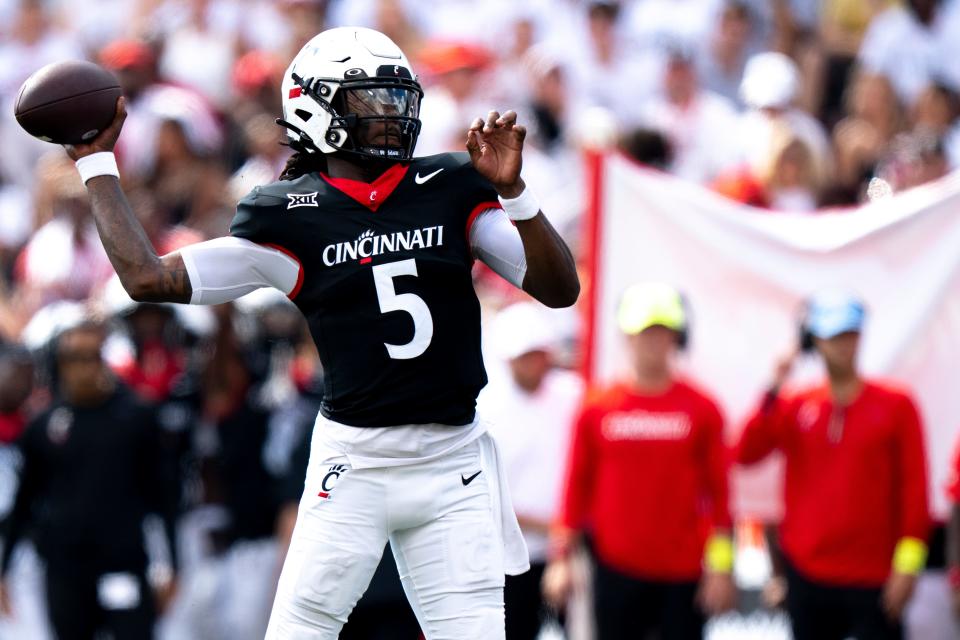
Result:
[375,247]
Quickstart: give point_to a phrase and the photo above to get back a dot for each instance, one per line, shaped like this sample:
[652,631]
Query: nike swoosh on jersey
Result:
[421,179]
[467,481]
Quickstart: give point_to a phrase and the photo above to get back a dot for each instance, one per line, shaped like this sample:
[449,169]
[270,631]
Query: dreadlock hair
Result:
[302,163]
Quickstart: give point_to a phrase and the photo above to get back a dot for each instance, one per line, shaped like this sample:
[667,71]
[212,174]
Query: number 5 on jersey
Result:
[390,300]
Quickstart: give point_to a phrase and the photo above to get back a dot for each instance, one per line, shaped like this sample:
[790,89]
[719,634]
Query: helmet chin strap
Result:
[305,143]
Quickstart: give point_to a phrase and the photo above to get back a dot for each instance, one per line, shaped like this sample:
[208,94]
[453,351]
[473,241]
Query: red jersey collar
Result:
[372,194]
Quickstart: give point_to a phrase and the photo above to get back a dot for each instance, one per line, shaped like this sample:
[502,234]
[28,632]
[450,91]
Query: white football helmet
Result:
[351,90]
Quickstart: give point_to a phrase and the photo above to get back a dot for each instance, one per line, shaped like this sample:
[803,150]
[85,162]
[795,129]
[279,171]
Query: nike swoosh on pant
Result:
[467,481]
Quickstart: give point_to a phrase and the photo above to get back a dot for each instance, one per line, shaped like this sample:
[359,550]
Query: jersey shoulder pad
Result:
[278,192]
[258,211]
[457,162]
[472,188]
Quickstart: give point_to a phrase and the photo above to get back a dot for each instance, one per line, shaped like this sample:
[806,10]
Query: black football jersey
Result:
[385,285]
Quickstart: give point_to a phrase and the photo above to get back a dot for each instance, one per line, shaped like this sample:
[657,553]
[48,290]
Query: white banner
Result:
[745,273]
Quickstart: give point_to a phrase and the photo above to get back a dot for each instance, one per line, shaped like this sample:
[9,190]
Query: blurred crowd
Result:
[791,105]
[784,104]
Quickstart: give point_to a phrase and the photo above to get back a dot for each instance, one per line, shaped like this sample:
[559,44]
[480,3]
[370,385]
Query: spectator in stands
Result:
[699,123]
[841,30]
[723,59]
[64,258]
[647,147]
[548,103]
[855,523]
[913,43]
[606,70]
[531,407]
[937,112]
[256,86]
[873,117]
[456,71]
[769,88]
[647,484]
[788,182]
[911,160]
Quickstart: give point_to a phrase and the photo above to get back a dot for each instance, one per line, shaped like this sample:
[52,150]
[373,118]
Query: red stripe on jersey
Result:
[323,494]
[370,194]
[296,92]
[477,210]
[296,288]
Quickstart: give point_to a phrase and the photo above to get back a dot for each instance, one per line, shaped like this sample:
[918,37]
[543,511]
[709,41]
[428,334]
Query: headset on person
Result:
[683,334]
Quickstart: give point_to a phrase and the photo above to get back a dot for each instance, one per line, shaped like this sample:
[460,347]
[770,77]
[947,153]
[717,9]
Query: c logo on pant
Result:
[329,480]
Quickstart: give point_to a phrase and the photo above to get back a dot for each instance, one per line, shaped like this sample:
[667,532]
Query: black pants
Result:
[825,612]
[76,612]
[523,603]
[628,608]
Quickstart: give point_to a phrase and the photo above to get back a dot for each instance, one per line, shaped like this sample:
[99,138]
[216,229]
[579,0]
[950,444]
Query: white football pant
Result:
[441,517]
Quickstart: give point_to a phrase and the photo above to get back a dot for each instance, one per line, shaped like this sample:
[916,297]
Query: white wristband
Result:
[523,207]
[102,163]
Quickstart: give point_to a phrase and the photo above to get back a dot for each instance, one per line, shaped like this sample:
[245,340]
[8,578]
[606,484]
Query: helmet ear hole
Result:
[303,114]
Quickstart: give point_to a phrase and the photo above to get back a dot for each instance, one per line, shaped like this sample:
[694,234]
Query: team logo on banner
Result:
[330,480]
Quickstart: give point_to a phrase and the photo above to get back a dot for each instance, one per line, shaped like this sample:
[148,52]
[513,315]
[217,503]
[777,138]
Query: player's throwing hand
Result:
[106,139]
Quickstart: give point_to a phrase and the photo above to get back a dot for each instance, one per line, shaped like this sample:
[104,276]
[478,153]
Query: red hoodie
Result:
[648,477]
[856,479]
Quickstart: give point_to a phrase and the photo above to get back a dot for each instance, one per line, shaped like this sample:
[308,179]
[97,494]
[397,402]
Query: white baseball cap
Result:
[770,80]
[522,328]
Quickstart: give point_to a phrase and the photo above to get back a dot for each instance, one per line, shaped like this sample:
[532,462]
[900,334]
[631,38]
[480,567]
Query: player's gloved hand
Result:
[106,140]
[495,148]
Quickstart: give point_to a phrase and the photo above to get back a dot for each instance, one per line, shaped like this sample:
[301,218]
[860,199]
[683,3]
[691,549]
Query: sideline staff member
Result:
[93,468]
[855,505]
[648,478]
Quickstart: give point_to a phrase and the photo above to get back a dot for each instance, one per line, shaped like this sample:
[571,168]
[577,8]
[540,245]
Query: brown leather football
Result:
[68,102]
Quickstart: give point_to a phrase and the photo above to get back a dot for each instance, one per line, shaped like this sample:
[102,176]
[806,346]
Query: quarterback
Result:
[375,247]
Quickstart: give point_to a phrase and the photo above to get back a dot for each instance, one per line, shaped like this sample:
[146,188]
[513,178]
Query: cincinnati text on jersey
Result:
[369,245]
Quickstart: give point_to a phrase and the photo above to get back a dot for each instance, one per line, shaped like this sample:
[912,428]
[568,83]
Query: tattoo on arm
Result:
[172,283]
[146,276]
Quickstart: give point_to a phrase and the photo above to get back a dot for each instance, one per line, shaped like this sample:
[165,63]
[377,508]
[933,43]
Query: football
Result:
[68,102]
